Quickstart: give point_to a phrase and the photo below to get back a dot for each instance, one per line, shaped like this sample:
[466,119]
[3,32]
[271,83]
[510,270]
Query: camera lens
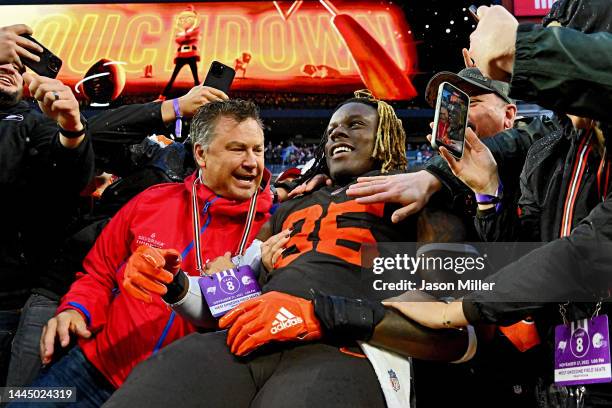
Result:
[217,70]
[54,65]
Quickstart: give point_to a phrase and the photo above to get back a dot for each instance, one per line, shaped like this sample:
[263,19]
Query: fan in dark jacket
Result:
[570,72]
[45,160]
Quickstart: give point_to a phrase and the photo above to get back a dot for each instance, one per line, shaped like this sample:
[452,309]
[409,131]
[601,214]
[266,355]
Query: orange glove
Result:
[273,316]
[148,270]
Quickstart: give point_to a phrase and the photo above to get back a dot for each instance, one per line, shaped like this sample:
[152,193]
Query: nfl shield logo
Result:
[394,380]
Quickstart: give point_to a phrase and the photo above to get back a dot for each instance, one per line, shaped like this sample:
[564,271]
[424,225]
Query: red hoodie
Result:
[127,330]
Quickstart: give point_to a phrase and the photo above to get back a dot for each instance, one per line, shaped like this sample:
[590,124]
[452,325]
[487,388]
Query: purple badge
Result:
[582,352]
[225,290]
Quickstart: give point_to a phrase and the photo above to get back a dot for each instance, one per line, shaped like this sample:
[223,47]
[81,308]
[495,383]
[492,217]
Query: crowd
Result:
[271,100]
[293,153]
[196,279]
[296,154]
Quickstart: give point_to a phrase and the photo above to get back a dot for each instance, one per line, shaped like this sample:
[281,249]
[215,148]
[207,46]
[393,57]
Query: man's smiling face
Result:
[11,85]
[233,163]
[350,141]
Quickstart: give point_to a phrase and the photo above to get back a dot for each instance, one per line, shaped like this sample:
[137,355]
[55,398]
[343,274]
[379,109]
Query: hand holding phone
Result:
[450,119]
[477,168]
[198,96]
[220,76]
[47,65]
[14,47]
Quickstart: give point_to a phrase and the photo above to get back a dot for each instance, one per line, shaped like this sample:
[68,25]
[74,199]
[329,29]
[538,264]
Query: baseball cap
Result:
[469,80]
[290,172]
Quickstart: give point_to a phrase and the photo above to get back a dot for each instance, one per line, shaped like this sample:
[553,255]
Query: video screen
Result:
[452,118]
[305,48]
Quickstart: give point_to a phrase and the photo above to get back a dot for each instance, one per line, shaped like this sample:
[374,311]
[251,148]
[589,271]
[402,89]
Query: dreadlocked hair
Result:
[389,144]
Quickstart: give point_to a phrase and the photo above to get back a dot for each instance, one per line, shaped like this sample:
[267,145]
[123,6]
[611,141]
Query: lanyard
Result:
[580,163]
[602,189]
[195,217]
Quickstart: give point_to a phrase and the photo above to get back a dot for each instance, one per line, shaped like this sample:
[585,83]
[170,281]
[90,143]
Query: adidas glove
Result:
[150,270]
[273,316]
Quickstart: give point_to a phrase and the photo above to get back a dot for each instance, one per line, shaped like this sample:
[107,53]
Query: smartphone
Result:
[220,76]
[450,119]
[49,64]
[474,12]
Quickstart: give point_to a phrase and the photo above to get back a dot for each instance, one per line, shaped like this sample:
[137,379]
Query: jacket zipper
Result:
[173,314]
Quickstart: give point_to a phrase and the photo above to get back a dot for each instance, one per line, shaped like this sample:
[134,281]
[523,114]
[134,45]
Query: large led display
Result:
[303,46]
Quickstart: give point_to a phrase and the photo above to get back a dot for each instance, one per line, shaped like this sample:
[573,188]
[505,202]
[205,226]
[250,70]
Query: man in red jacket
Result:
[116,331]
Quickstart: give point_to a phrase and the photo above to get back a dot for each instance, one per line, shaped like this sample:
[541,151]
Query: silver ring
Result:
[56,95]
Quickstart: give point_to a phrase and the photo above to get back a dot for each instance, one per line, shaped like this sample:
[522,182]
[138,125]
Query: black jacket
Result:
[40,182]
[579,265]
[509,148]
[567,71]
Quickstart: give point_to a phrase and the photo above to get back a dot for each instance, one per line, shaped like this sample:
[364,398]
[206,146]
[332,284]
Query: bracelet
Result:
[446,323]
[177,113]
[73,134]
[492,199]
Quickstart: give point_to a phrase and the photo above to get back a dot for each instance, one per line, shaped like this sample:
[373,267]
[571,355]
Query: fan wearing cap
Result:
[492,116]
[491,109]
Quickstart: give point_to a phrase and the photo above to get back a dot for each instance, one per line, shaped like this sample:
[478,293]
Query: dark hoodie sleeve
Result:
[509,148]
[511,152]
[115,130]
[574,268]
[70,169]
[564,70]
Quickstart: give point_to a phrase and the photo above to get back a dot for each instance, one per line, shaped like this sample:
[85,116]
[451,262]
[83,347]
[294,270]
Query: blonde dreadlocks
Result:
[389,143]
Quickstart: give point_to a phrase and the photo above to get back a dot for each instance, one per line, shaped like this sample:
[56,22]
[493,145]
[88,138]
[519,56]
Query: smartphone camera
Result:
[54,64]
[219,76]
[217,70]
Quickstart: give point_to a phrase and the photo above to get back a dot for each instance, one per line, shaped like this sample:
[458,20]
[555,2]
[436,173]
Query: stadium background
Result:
[428,39]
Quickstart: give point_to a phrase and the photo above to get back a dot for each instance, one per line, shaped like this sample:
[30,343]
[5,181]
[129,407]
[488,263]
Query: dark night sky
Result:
[441,28]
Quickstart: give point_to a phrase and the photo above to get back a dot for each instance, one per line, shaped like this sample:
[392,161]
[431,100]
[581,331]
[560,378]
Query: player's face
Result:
[11,84]
[233,162]
[350,141]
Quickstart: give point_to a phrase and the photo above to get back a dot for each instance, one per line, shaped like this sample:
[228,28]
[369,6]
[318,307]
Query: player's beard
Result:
[8,99]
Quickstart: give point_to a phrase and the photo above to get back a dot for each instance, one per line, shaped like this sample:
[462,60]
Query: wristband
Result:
[179,123]
[72,134]
[492,199]
[177,288]
[347,319]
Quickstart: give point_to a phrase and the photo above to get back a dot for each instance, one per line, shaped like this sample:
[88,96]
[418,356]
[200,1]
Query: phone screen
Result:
[451,119]
[473,10]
